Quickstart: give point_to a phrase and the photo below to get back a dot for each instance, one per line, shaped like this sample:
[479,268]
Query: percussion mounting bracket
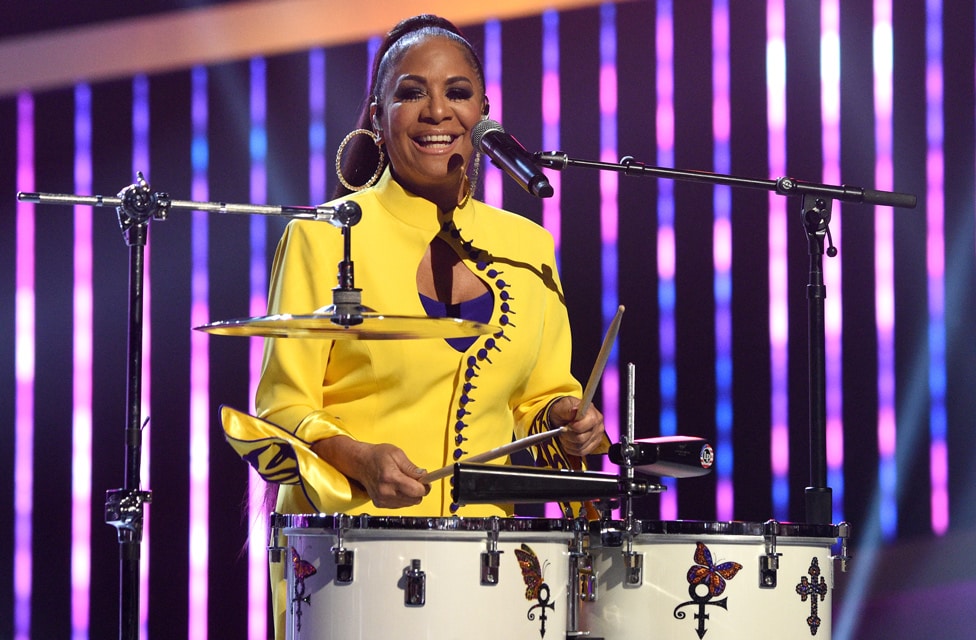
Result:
[769,563]
[844,533]
[491,558]
[344,558]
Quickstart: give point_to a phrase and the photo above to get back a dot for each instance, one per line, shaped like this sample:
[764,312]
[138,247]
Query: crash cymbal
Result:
[364,326]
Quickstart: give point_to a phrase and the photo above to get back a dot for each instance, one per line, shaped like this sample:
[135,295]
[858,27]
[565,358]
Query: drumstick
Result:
[497,452]
[601,362]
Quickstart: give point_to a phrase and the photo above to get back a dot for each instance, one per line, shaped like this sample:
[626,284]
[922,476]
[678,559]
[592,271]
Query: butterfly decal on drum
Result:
[535,585]
[713,577]
[302,569]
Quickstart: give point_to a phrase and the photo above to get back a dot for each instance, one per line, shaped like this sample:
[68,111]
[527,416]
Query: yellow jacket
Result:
[421,395]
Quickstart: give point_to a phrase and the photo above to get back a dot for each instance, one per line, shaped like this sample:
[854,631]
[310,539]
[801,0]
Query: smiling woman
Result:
[367,418]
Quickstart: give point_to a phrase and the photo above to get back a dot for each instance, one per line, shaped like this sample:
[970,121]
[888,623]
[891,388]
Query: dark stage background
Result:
[911,582]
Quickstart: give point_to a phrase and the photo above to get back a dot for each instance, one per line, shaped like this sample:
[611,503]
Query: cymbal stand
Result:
[137,205]
[816,204]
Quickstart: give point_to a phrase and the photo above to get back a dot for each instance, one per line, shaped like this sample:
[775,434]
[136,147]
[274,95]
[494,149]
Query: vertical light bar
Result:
[722,260]
[668,377]
[140,160]
[832,267]
[935,212]
[778,263]
[317,164]
[199,366]
[257,556]
[491,176]
[551,207]
[551,113]
[372,46]
[25,373]
[81,373]
[609,210]
[884,269]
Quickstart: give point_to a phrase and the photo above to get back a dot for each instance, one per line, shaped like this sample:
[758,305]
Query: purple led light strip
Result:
[778,264]
[551,207]
[884,270]
[722,261]
[491,176]
[257,556]
[665,240]
[832,267]
[608,210]
[25,373]
[82,370]
[199,369]
[935,253]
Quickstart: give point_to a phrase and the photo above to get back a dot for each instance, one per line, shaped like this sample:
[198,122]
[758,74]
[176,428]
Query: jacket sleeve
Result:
[290,391]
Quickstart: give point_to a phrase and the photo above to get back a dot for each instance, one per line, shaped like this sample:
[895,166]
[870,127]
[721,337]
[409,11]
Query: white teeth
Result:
[436,139]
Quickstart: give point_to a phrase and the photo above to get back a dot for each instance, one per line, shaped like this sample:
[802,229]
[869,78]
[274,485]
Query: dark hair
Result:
[360,156]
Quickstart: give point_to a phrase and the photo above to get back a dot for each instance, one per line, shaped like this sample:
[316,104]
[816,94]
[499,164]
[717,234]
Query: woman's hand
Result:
[581,436]
[384,471]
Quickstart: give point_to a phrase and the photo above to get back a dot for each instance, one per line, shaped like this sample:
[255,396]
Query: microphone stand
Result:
[137,205]
[815,210]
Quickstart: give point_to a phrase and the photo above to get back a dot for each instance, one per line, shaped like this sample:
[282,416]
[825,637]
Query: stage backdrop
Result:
[876,95]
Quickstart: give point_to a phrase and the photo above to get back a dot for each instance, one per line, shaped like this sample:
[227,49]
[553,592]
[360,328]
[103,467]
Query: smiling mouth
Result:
[439,141]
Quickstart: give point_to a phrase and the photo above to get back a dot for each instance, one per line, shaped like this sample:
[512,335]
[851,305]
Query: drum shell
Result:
[457,605]
[662,607]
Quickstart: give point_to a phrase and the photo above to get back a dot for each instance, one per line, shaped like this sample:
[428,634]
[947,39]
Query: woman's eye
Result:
[409,93]
[459,94]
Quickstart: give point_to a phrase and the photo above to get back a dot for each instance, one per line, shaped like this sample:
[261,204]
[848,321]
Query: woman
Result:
[378,413]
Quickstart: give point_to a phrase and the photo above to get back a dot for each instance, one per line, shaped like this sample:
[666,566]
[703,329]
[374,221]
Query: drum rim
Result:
[418,523]
[718,528]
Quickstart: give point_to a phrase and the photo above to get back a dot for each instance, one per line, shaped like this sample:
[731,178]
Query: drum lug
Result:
[769,563]
[585,577]
[844,533]
[491,559]
[344,558]
[634,567]
[415,594]
[275,542]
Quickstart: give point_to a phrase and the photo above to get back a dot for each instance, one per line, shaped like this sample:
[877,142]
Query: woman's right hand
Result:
[390,479]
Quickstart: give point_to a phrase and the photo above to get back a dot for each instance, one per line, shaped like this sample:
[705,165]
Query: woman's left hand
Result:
[581,436]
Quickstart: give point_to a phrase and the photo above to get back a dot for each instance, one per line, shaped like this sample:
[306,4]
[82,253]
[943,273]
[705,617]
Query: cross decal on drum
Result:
[813,588]
[711,576]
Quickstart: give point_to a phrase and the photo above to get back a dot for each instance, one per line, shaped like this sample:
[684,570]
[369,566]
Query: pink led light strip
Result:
[25,373]
[778,264]
[82,373]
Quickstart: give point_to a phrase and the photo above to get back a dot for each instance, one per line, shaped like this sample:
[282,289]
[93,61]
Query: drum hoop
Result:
[414,523]
[710,528]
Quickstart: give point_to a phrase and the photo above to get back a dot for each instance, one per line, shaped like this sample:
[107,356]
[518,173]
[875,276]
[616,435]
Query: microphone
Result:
[508,153]
[671,456]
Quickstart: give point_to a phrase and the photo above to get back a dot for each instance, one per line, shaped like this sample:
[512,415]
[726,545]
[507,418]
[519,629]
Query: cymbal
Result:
[363,326]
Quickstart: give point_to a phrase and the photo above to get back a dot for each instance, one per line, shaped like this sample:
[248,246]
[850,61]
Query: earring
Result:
[379,166]
[473,180]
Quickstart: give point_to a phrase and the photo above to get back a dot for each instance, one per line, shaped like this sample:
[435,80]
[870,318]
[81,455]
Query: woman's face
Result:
[431,100]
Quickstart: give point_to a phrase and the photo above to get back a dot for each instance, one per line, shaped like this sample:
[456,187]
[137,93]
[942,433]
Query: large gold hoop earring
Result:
[472,181]
[379,166]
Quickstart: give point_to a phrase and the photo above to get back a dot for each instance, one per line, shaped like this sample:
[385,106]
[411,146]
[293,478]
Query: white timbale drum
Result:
[369,577]
[686,579]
